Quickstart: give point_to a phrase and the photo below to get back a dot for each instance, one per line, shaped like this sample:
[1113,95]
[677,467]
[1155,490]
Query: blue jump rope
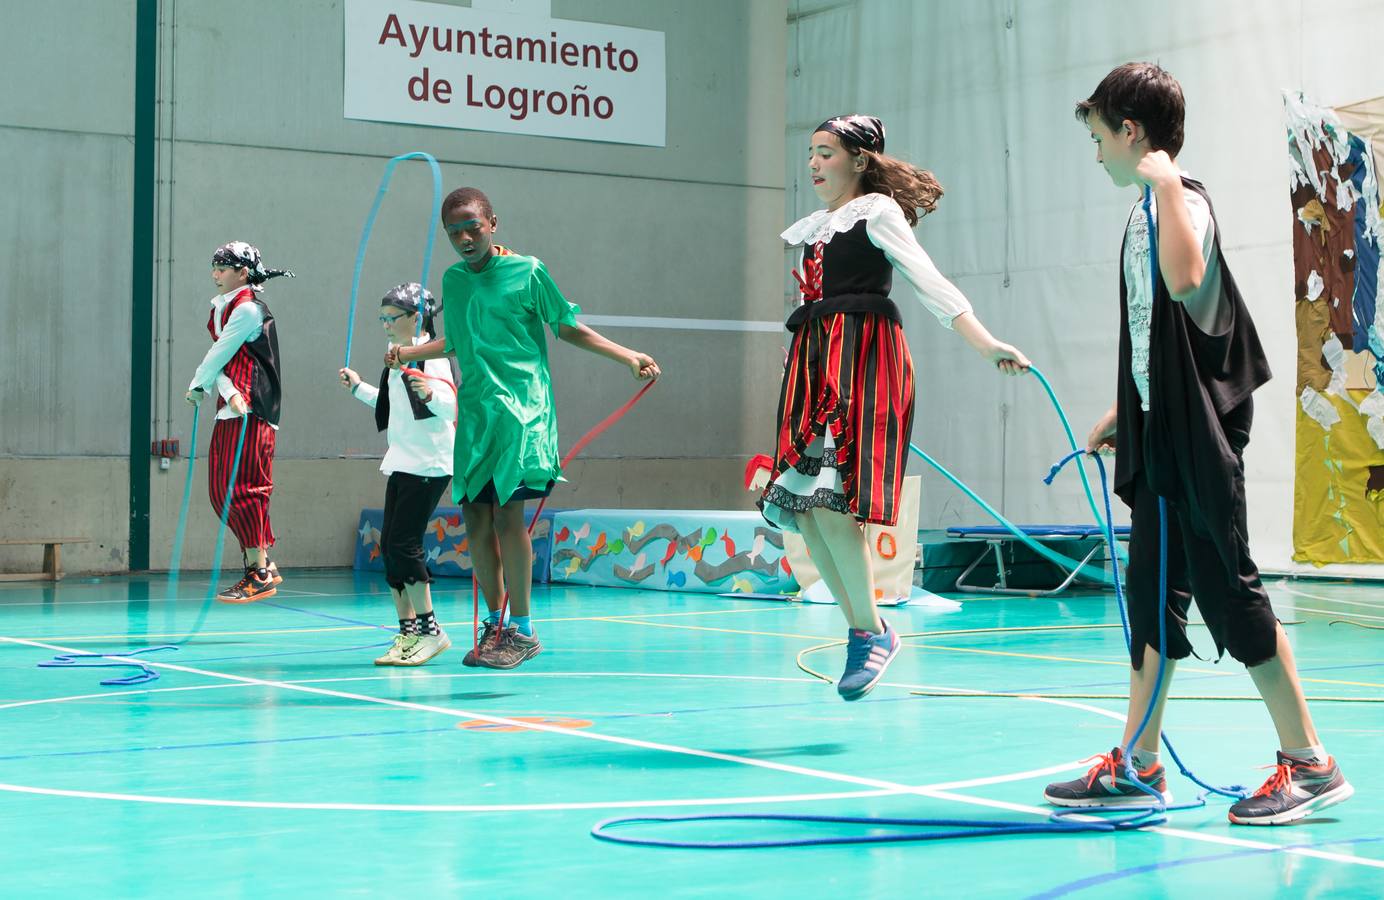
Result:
[1059,822]
[145,673]
[370,226]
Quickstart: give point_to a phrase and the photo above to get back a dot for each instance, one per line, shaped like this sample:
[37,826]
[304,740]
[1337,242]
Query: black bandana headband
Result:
[240,255]
[861,132]
[411,298]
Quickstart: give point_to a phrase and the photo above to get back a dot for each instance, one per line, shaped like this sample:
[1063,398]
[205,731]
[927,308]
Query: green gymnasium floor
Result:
[272,759]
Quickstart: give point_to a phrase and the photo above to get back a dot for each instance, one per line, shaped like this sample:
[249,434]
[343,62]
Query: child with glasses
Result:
[416,412]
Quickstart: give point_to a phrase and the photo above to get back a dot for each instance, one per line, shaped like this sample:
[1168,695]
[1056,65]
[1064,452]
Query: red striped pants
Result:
[254,481]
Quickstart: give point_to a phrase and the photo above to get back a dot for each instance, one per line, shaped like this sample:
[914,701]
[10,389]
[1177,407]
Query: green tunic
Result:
[506,422]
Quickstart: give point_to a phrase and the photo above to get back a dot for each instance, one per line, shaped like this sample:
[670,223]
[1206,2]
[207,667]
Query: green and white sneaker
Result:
[395,654]
[1296,789]
[423,648]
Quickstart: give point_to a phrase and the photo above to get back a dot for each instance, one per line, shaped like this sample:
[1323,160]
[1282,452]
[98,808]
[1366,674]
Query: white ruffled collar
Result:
[824,223]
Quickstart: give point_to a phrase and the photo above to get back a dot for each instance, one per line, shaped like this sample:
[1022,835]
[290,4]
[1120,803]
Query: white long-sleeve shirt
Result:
[417,446]
[888,230]
[244,325]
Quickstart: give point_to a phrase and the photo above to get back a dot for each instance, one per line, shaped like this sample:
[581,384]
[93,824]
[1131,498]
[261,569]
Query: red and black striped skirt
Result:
[849,375]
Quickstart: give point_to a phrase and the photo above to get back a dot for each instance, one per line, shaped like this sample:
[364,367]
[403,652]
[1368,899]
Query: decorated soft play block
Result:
[893,552]
[445,543]
[708,551]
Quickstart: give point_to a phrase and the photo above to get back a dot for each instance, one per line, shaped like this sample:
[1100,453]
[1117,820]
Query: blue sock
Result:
[522,623]
[494,618]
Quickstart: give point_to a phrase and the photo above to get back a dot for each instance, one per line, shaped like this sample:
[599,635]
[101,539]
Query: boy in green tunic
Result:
[494,306]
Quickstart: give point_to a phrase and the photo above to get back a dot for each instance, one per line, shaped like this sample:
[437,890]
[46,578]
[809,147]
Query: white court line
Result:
[512,807]
[410,675]
[127,600]
[682,324]
[1178,832]
[527,807]
[583,734]
[435,808]
[1338,613]
[1292,590]
[98,602]
[400,675]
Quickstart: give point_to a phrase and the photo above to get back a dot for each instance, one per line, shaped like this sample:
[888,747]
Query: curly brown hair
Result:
[911,187]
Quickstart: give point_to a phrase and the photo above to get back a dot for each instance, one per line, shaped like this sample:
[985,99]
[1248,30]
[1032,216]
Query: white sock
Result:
[1142,759]
[1316,753]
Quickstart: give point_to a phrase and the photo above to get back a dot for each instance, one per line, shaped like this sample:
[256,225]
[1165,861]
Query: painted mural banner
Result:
[1338,495]
[446,547]
[459,67]
[707,551]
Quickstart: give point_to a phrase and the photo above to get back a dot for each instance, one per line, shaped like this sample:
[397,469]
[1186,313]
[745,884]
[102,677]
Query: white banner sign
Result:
[457,67]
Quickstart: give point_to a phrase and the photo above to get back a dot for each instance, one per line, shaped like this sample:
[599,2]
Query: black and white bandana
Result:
[411,297]
[861,132]
[241,255]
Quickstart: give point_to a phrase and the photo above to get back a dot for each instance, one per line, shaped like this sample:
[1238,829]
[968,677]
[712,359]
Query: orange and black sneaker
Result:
[1107,784]
[256,585]
[274,572]
[1296,789]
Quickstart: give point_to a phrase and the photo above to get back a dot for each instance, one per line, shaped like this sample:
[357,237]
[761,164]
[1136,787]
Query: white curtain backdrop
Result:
[982,93]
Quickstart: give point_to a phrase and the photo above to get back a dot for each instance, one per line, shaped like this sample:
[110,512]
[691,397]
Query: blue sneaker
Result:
[867,656]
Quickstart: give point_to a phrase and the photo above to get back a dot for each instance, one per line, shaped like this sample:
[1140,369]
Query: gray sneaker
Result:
[423,648]
[489,632]
[1107,784]
[509,651]
[395,653]
[1297,789]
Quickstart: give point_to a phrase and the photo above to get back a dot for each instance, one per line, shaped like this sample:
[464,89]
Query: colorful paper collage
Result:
[707,551]
[445,543]
[1338,508]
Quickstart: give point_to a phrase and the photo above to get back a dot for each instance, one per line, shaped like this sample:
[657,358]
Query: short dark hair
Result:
[1144,93]
[465,195]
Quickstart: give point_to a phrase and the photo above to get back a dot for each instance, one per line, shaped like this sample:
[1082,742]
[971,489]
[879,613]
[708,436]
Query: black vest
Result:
[266,387]
[420,408]
[856,278]
[1187,446]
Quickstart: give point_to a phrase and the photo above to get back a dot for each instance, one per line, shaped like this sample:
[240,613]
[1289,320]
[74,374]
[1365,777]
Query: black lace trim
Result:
[820,498]
[812,465]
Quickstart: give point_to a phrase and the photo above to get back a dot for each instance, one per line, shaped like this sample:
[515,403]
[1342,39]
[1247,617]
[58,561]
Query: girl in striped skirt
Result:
[846,406]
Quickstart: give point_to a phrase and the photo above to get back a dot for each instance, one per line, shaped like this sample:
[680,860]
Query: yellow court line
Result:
[781,634]
[205,634]
[1124,664]
[1013,653]
[704,612]
[634,619]
[336,628]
